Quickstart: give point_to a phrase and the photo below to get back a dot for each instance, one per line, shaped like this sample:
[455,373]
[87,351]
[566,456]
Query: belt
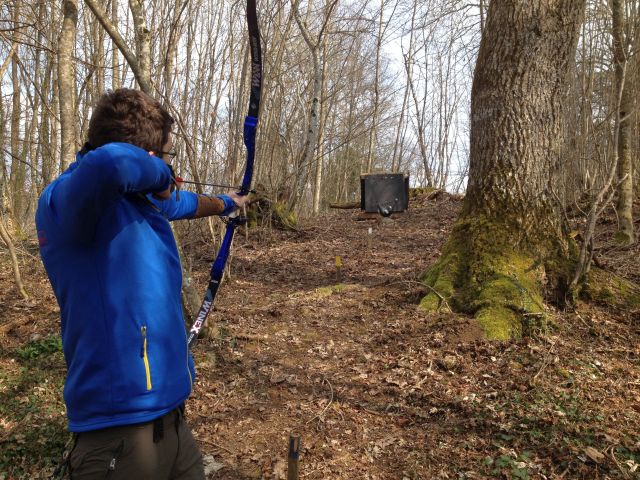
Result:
[158,423]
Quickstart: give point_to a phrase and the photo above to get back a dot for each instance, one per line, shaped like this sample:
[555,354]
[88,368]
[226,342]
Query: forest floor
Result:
[375,388]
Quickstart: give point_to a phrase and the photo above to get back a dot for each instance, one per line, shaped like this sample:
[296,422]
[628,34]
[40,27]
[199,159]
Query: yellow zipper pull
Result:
[145,358]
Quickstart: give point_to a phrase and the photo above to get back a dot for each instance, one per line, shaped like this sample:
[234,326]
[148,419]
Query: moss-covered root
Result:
[609,289]
[499,322]
[277,214]
[440,280]
[503,291]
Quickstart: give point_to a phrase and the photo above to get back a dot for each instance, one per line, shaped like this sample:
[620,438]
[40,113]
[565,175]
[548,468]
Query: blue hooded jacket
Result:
[114,267]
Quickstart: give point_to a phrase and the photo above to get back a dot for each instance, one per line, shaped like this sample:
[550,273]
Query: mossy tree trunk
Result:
[509,239]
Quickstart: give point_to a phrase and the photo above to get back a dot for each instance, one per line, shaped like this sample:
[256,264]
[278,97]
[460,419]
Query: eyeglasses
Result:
[171,154]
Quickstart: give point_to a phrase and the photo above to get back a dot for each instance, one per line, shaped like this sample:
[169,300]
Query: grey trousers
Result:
[160,450]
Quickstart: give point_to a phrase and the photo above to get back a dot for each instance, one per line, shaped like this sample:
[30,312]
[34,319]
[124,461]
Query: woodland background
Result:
[350,87]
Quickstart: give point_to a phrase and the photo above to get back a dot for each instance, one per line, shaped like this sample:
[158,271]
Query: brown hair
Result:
[129,116]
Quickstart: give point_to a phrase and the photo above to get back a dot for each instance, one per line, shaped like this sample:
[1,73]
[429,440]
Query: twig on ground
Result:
[215,445]
[581,319]
[414,282]
[321,414]
[546,361]
[611,449]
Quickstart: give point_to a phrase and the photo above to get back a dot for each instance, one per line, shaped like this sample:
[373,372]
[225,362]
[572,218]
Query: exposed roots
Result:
[481,274]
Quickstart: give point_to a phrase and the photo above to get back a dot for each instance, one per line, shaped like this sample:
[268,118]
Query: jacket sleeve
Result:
[175,209]
[187,205]
[100,178]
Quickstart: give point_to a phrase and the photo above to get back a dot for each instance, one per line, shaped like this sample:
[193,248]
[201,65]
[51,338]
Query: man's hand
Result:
[239,200]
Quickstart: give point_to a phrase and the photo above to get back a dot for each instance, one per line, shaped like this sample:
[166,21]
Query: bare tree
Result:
[314,44]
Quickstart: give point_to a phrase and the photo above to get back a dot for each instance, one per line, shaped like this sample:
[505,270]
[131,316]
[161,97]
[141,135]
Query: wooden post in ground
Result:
[294,457]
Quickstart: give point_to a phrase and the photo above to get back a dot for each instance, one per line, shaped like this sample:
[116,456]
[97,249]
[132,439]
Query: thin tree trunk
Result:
[373,137]
[67,84]
[317,184]
[313,119]
[143,45]
[115,57]
[6,238]
[624,205]
[421,127]
[395,164]
[311,139]
[17,167]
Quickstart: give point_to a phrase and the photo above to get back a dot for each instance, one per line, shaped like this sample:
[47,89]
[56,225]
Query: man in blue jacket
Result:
[106,244]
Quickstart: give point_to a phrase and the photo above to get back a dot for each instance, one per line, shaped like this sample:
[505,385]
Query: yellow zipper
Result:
[144,356]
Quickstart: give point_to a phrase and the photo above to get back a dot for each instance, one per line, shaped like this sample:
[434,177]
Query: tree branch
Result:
[101,16]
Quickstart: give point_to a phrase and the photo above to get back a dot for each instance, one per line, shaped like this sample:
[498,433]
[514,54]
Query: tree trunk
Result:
[140,68]
[143,44]
[624,205]
[311,139]
[6,238]
[17,167]
[395,164]
[373,137]
[509,237]
[67,83]
[115,60]
[317,183]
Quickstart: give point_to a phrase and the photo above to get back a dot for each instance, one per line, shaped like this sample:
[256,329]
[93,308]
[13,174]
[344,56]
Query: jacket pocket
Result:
[145,357]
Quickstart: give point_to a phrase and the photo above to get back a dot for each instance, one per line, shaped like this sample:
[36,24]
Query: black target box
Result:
[384,192]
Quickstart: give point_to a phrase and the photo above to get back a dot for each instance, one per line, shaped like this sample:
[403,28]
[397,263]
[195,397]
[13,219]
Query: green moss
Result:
[489,271]
[431,303]
[329,290]
[252,217]
[534,325]
[262,211]
[622,238]
[480,273]
[499,323]
[605,295]
[441,280]
[514,283]
[418,192]
[609,289]
[284,217]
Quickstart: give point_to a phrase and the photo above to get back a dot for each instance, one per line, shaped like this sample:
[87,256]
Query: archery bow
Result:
[250,125]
